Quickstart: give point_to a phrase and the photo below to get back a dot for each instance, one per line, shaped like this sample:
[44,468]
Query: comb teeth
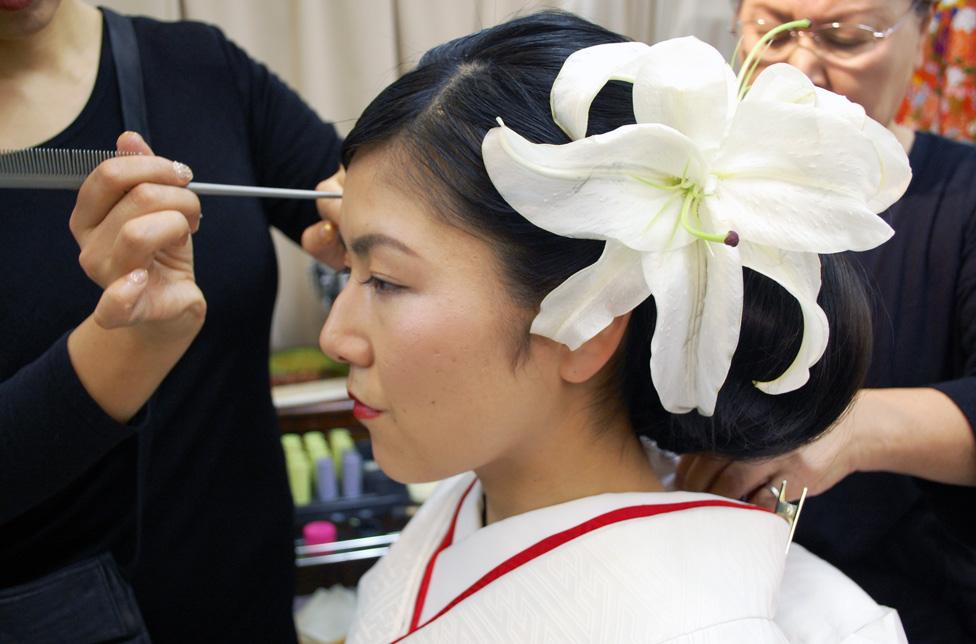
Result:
[48,161]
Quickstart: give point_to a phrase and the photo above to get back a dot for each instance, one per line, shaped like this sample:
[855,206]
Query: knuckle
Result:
[192,206]
[88,262]
[177,221]
[145,196]
[112,173]
[73,224]
[133,234]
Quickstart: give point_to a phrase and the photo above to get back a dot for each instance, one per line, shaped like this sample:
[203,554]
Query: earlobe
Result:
[585,362]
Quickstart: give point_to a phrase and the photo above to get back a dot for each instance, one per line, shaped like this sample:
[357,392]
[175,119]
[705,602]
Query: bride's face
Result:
[431,335]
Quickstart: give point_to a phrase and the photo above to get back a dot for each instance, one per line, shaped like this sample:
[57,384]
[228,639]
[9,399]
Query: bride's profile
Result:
[569,253]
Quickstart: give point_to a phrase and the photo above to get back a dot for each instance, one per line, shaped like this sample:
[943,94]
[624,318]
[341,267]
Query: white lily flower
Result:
[705,183]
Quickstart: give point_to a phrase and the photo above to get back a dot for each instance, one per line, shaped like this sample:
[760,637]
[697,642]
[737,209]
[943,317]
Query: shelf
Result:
[365,502]
[339,552]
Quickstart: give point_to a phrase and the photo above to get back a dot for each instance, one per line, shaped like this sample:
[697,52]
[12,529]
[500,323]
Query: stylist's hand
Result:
[818,466]
[133,222]
[321,240]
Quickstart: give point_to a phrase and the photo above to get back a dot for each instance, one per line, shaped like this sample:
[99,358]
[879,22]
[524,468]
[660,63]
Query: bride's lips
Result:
[14,5]
[361,410]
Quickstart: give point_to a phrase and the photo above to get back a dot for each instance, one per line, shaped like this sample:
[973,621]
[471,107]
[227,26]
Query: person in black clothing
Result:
[895,477]
[142,487]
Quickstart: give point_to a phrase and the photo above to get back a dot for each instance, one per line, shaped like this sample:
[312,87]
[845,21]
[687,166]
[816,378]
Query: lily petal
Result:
[609,186]
[841,106]
[785,83]
[896,173]
[799,274]
[582,77]
[782,83]
[589,300]
[795,178]
[698,295]
[686,84]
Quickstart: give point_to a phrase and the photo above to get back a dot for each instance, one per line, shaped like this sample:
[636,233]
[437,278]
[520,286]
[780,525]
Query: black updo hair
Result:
[435,118]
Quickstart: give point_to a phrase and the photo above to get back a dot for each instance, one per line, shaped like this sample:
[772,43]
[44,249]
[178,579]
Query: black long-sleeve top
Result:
[191,496]
[912,543]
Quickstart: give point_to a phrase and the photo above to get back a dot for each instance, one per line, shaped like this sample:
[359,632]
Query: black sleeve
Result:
[292,147]
[963,390]
[51,431]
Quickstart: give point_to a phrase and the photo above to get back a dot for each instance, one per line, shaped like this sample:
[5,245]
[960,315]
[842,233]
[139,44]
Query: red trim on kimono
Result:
[418,606]
[544,546]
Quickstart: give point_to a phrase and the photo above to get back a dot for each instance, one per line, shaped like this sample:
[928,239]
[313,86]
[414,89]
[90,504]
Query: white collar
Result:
[476,550]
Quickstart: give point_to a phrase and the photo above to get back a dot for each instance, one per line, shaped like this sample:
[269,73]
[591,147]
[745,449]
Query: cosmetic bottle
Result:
[316,448]
[340,441]
[299,469]
[326,487]
[352,473]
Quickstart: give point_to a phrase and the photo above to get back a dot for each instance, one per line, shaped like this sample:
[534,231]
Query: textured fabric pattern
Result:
[707,575]
[942,98]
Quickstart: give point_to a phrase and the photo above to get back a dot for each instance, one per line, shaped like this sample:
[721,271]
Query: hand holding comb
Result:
[66,169]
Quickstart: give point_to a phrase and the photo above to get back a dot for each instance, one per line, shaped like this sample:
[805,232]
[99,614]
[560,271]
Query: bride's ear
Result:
[586,361]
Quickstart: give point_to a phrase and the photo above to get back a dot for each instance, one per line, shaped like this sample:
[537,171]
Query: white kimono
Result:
[672,567]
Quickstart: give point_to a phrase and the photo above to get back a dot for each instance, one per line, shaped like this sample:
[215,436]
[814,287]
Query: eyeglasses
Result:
[839,41]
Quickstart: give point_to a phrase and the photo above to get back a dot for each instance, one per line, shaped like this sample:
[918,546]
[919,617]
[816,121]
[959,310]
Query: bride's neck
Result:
[578,460]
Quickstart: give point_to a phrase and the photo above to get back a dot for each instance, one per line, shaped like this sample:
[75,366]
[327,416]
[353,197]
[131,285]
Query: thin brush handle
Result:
[227,190]
[48,169]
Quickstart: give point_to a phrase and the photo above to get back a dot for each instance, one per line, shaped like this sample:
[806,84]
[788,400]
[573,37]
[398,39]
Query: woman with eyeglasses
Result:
[894,479]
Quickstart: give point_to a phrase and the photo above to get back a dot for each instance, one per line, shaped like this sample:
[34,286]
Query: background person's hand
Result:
[321,240]
[133,222]
[818,466]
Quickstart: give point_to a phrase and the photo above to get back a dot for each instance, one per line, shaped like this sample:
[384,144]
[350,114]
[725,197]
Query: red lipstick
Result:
[362,411]
[14,5]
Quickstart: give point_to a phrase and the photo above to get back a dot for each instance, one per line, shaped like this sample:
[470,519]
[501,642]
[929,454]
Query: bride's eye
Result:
[381,286]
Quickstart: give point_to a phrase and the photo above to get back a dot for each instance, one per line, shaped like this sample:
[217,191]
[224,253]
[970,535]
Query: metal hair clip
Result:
[790,512]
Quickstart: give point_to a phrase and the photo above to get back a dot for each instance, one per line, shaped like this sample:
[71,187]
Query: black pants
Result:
[84,603]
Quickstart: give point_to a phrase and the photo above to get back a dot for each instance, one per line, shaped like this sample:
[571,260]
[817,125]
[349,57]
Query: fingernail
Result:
[139,276]
[183,171]
[327,232]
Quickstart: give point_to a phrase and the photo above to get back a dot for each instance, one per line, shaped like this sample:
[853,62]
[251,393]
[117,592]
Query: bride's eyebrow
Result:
[362,246]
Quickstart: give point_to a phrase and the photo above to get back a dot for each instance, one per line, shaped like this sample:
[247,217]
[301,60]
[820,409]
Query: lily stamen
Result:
[692,200]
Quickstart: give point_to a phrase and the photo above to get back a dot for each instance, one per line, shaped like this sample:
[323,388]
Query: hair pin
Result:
[790,512]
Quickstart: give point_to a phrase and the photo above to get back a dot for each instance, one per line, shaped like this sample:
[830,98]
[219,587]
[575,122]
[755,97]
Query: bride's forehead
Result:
[385,202]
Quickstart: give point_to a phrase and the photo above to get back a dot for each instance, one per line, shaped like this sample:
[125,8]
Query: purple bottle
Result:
[352,473]
[325,479]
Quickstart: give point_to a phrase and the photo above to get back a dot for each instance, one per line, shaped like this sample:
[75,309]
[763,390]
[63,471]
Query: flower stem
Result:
[752,60]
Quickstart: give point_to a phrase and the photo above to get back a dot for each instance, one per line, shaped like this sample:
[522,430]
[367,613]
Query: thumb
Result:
[132,143]
[119,304]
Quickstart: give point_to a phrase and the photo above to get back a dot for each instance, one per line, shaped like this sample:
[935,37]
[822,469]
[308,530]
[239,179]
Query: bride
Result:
[568,253]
